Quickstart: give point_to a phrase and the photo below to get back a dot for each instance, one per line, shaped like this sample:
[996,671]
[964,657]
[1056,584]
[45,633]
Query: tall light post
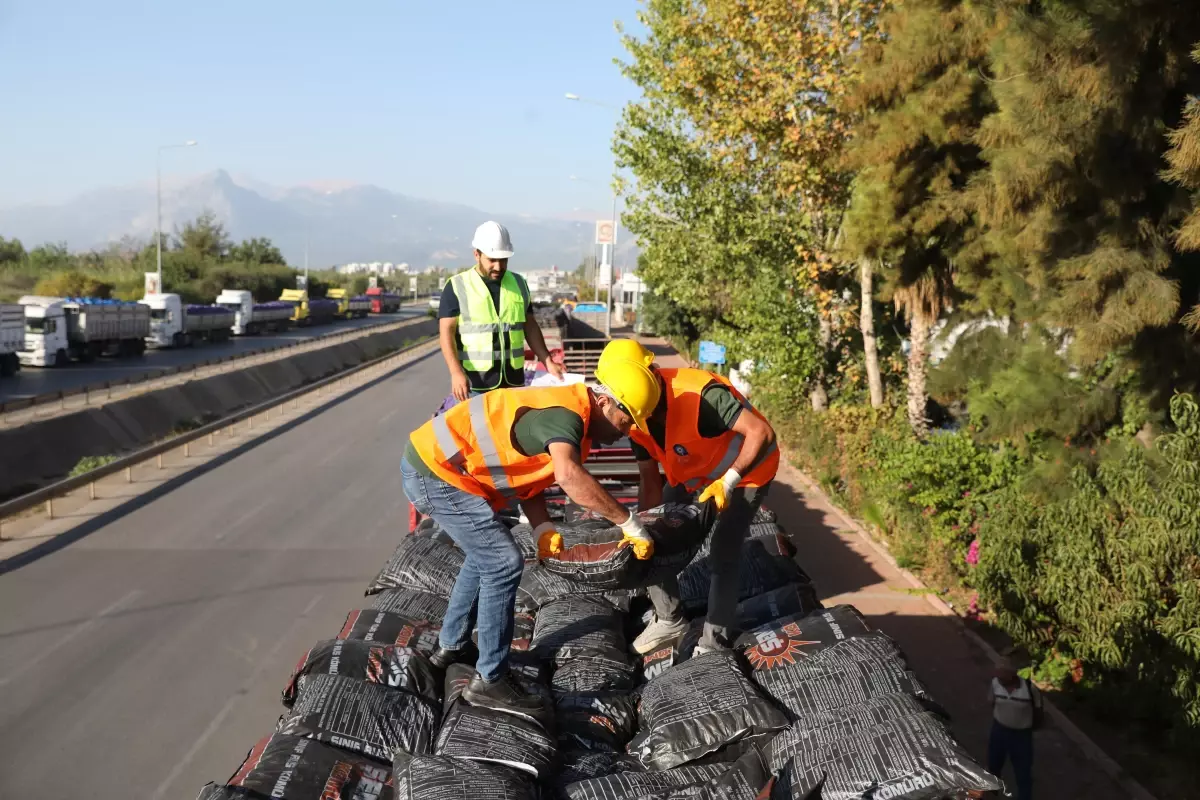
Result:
[613,247]
[158,181]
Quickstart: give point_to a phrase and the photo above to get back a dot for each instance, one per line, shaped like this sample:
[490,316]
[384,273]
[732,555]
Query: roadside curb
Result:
[1090,748]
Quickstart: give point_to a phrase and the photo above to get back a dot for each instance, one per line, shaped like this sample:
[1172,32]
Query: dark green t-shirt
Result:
[719,409]
[532,434]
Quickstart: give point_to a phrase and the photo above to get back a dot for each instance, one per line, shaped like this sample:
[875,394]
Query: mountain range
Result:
[337,223]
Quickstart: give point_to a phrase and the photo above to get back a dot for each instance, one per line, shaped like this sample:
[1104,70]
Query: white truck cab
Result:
[45,332]
[166,320]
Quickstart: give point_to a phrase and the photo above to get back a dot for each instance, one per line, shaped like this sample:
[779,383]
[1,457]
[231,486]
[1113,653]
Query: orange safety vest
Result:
[689,459]
[471,445]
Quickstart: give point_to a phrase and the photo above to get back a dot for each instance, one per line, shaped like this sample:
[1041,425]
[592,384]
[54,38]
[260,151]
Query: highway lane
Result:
[146,658]
[32,381]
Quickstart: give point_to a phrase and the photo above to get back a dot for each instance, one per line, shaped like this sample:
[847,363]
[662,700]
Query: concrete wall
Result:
[42,452]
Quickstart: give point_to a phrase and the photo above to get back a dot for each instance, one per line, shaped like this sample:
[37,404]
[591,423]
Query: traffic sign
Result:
[604,231]
[712,353]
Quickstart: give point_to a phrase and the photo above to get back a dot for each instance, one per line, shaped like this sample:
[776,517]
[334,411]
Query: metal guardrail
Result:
[47,494]
[105,390]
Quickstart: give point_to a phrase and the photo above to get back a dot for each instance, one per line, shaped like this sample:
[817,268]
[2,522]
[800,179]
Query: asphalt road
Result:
[146,658]
[32,381]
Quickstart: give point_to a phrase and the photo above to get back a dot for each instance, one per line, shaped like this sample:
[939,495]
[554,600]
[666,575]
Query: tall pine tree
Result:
[926,96]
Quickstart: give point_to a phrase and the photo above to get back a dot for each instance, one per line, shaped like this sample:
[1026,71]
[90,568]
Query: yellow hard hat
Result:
[628,349]
[632,384]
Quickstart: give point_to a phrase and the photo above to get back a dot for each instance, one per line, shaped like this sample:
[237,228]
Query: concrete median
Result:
[40,452]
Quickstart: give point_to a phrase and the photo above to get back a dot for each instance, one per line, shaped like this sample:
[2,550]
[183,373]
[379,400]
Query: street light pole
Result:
[158,204]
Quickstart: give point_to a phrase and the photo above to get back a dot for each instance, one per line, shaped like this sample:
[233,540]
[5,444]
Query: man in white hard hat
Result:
[485,320]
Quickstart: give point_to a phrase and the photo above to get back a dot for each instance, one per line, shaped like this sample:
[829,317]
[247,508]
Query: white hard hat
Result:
[492,239]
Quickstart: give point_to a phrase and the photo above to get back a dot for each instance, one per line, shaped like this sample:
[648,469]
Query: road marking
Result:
[230,704]
[65,640]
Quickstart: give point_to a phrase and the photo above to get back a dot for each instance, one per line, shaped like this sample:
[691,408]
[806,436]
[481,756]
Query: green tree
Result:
[1184,160]
[11,251]
[204,236]
[924,96]
[256,251]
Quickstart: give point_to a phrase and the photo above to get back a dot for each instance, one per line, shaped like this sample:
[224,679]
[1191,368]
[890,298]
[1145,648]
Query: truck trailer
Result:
[176,324]
[314,311]
[59,329]
[12,337]
[383,302]
[250,317]
[349,307]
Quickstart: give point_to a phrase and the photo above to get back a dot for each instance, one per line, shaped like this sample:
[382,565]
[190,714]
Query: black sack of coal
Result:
[418,563]
[760,572]
[882,750]
[540,586]
[388,665]
[596,556]
[523,536]
[631,785]
[580,627]
[584,765]
[585,675]
[784,603]
[850,672]
[698,708]
[790,639]
[388,627]
[595,720]
[361,717]
[286,767]
[481,734]
[443,778]
[792,598]
[412,604]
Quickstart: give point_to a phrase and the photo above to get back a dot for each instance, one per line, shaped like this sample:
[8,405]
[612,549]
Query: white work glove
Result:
[634,533]
[720,491]
[549,541]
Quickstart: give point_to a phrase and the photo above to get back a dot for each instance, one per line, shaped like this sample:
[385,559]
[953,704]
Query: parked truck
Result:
[58,329]
[383,302]
[250,317]
[349,307]
[174,323]
[314,311]
[12,337]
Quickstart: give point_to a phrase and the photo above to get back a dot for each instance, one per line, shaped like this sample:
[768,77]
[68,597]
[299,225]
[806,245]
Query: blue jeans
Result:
[1016,745]
[490,572]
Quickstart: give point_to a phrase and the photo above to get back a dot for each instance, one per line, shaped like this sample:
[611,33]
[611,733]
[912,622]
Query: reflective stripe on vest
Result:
[480,324]
[470,446]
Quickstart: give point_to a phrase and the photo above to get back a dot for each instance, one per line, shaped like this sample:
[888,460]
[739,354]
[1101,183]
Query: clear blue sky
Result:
[459,101]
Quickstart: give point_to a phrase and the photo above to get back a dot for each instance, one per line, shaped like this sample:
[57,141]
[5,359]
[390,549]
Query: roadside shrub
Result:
[1101,579]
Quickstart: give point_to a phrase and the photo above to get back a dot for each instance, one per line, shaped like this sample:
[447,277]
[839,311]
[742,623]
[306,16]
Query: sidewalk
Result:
[847,569]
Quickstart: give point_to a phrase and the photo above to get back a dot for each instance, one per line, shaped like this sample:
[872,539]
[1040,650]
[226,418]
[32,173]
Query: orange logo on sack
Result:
[774,649]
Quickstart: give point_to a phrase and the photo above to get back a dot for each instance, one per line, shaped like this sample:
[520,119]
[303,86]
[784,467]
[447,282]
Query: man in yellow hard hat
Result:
[709,439]
[485,318]
[464,466]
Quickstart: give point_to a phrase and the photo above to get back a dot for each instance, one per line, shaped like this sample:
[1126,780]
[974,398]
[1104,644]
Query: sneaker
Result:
[506,695]
[444,657]
[701,650]
[658,633]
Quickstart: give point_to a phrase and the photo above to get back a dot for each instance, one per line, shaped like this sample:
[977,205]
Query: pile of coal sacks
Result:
[810,703]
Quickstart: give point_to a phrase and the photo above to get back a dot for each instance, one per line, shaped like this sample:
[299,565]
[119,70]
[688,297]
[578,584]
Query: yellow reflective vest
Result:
[490,342]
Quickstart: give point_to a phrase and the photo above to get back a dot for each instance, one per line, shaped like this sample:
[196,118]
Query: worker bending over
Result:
[485,318]
[464,466]
[709,439]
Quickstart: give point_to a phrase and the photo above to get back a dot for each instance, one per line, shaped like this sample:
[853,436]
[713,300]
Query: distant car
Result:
[435,301]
